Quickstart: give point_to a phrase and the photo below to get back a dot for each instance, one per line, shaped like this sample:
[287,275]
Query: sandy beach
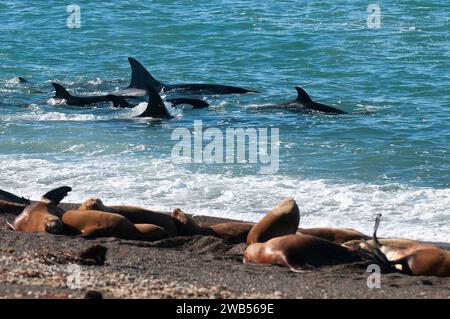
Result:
[43,266]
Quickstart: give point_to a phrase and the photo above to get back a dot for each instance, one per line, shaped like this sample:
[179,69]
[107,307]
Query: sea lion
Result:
[407,256]
[136,215]
[231,233]
[299,252]
[43,216]
[9,197]
[11,208]
[93,223]
[280,221]
[336,235]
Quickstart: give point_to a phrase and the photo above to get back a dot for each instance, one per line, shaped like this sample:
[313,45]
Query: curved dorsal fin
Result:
[140,77]
[155,106]
[302,95]
[60,91]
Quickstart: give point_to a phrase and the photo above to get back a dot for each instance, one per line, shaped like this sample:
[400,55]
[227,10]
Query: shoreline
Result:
[38,266]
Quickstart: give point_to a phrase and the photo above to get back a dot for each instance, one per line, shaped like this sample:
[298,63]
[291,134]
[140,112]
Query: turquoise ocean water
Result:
[390,155]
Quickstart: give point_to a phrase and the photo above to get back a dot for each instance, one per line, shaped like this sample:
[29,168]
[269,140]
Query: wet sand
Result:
[41,266]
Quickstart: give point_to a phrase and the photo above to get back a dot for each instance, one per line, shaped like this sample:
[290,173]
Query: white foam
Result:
[140,108]
[412,212]
[39,115]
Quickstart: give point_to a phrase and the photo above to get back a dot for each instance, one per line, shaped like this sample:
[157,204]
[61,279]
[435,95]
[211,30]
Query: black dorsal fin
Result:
[140,77]
[302,96]
[155,106]
[60,91]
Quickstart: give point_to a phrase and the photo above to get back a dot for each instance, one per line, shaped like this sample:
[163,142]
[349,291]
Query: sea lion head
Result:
[53,225]
[93,203]
[186,226]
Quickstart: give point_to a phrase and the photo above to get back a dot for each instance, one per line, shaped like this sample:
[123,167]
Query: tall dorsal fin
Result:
[56,195]
[155,106]
[60,91]
[140,77]
[302,96]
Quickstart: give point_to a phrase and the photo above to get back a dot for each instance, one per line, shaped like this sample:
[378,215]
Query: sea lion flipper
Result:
[89,233]
[375,229]
[10,225]
[56,195]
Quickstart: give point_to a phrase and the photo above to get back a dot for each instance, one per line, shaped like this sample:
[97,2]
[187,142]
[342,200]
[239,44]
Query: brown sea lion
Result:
[336,235]
[299,252]
[93,223]
[280,221]
[136,215]
[43,216]
[231,232]
[407,256]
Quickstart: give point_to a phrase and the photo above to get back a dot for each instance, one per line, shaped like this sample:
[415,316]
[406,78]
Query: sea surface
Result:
[390,155]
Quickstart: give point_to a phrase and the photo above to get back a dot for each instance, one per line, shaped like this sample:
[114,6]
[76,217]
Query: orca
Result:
[155,106]
[62,93]
[118,101]
[141,79]
[305,104]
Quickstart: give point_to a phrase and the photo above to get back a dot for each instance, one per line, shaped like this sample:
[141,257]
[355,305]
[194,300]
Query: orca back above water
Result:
[141,79]
[304,103]
[118,101]
[62,93]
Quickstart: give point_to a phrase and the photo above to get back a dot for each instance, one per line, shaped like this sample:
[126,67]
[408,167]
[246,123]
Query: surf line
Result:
[231,146]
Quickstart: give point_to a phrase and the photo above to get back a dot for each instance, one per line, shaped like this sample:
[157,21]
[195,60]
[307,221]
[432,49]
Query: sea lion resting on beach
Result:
[408,256]
[93,223]
[275,240]
[231,232]
[284,220]
[46,216]
[177,223]
[134,214]
[336,235]
[43,216]
[299,251]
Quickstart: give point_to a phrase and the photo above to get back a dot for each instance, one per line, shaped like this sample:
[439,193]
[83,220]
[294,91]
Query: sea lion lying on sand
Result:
[336,235]
[231,232]
[299,251]
[43,216]
[136,215]
[284,220]
[408,256]
[93,223]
